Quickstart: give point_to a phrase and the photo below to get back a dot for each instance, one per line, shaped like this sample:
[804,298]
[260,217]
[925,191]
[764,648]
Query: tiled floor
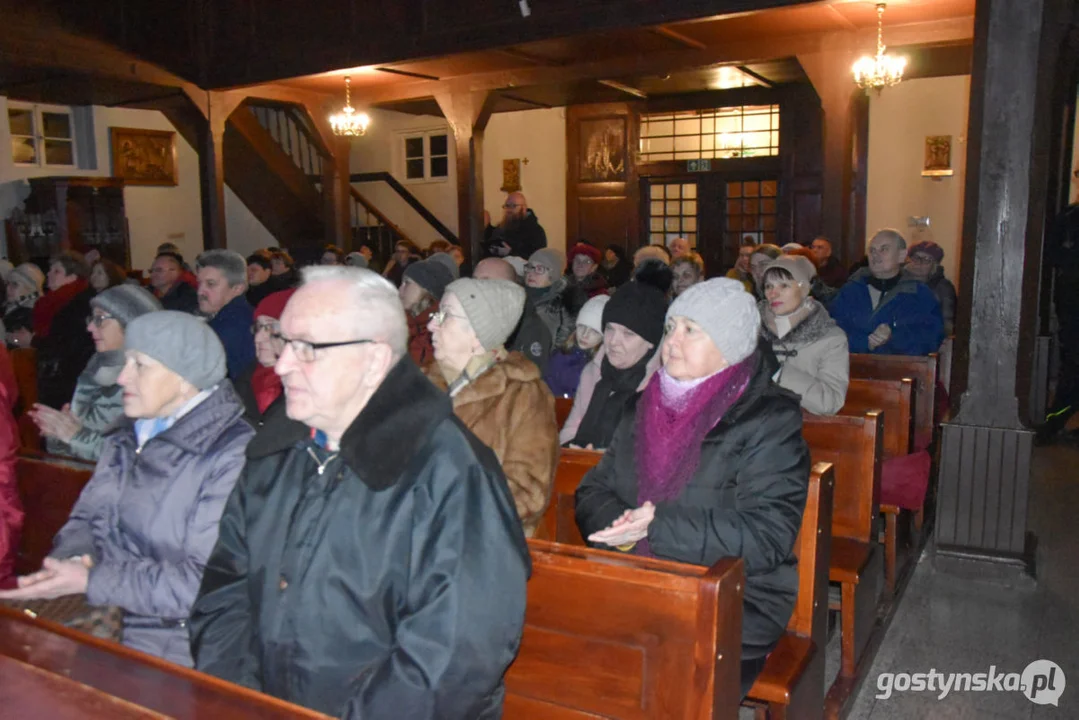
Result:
[952,625]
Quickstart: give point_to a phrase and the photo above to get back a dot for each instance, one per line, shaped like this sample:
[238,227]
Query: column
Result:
[467,113]
[212,171]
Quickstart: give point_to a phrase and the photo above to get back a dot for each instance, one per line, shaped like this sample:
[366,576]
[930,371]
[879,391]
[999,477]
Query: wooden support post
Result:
[829,69]
[343,194]
[212,171]
[467,113]
[986,451]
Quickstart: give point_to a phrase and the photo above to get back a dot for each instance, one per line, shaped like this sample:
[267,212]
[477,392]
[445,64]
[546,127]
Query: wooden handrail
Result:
[378,214]
[408,198]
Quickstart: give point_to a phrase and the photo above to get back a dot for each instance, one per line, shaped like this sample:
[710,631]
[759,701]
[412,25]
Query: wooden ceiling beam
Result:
[529,57]
[744,51]
[622,87]
[683,40]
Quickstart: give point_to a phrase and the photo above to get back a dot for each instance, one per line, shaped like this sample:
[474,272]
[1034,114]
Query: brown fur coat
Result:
[511,410]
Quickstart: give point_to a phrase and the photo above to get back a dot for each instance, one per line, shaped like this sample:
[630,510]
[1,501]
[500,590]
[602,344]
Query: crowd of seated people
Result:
[407,444]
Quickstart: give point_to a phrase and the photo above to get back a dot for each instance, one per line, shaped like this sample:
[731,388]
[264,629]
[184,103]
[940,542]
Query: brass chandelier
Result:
[348,122]
[877,73]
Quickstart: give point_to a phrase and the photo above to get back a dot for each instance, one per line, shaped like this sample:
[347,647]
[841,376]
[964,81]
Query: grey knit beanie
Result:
[355,259]
[493,307]
[448,262]
[725,311]
[181,342]
[429,274]
[125,302]
[554,260]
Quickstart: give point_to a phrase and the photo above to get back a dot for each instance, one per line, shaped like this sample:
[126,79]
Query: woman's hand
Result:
[56,578]
[629,528]
[60,424]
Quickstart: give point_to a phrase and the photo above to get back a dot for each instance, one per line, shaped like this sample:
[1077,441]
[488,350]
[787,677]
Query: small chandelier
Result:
[348,122]
[876,73]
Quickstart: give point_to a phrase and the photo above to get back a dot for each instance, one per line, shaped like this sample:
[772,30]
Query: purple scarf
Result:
[671,430]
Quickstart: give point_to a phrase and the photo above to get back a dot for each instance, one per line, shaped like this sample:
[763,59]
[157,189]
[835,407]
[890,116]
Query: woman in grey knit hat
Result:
[76,429]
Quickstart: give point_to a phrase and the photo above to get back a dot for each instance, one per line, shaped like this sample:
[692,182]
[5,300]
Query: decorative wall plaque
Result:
[938,156]
[144,157]
[603,150]
[511,175]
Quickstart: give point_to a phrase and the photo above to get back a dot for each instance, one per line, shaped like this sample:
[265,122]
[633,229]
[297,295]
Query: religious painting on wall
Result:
[144,157]
[938,156]
[511,175]
[603,150]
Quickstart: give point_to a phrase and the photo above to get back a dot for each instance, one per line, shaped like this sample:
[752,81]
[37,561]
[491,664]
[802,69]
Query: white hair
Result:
[890,234]
[372,303]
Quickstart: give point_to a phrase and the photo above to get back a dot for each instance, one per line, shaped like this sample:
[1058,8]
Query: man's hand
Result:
[880,336]
[628,528]
[501,250]
[55,579]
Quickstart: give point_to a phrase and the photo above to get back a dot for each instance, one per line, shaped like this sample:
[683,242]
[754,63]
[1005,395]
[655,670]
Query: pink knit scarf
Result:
[671,427]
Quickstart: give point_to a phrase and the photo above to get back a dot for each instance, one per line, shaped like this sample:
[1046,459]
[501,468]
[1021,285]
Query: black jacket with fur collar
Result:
[391,584]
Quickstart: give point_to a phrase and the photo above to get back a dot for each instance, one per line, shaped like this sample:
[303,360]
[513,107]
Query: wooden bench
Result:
[611,635]
[48,489]
[853,446]
[895,399]
[792,682]
[562,408]
[24,363]
[921,369]
[559,522]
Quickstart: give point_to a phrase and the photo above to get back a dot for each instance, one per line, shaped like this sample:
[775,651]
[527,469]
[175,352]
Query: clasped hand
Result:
[630,527]
[881,335]
[56,578]
[60,424]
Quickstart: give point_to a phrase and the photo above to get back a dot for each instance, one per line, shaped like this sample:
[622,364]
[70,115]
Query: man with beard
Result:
[519,234]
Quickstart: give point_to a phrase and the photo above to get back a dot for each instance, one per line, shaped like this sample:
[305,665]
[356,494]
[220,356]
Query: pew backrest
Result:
[895,399]
[24,363]
[813,549]
[562,408]
[610,635]
[921,369]
[559,522]
[853,446]
[48,490]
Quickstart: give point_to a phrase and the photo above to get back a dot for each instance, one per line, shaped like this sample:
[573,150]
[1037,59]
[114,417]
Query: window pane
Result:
[689,192]
[59,152]
[414,149]
[751,189]
[673,207]
[734,207]
[57,125]
[768,207]
[660,128]
[691,126]
[657,206]
[656,192]
[688,143]
[439,145]
[20,121]
[734,190]
[692,237]
[656,224]
[414,169]
[768,188]
[23,151]
[440,166]
[689,207]
[673,224]
[655,238]
[673,191]
[689,223]
[750,207]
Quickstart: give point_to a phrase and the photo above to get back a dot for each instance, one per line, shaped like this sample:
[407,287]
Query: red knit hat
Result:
[274,304]
[585,249]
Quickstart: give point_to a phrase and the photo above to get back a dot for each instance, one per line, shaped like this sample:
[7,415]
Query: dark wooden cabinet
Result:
[70,213]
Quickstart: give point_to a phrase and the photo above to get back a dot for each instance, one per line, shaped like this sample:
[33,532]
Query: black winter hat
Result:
[640,307]
[431,275]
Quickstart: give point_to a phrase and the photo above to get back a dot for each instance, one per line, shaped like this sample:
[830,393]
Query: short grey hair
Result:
[890,234]
[232,265]
[373,304]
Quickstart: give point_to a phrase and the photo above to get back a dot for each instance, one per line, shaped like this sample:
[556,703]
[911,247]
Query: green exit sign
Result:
[698,165]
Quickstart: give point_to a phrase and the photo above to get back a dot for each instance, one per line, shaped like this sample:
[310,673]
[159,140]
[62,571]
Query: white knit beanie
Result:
[493,307]
[591,314]
[725,311]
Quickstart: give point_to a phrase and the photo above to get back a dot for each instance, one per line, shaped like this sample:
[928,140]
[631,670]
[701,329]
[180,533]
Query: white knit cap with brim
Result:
[591,314]
[724,310]
[493,307]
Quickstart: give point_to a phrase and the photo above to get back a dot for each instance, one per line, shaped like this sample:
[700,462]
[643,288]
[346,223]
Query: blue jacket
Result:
[910,309]
[233,327]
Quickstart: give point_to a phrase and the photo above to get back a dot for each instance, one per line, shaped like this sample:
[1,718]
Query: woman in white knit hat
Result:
[710,462]
[498,395]
[24,286]
[563,372]
[811,349]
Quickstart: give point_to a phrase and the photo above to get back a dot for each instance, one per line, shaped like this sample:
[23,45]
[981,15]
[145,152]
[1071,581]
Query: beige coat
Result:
[814,359]
[511,410]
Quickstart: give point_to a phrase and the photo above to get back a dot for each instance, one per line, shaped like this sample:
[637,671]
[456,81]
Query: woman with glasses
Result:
[585,274]
[142,530]
[498,395]
[923,264]
[260,388]
[76,429]
[551,295]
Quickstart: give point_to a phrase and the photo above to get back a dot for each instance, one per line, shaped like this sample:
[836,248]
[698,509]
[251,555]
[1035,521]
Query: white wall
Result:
[539,136]
[900,118]
[155,214]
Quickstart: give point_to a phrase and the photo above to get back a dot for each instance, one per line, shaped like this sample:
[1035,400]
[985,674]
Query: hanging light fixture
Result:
[348,122]
[876,73]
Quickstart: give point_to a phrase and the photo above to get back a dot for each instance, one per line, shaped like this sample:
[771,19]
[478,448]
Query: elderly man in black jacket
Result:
[370,561]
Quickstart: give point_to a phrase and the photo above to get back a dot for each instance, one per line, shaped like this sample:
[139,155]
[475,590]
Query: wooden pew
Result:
[559,522]
[853,446]
[24,362]
[48,490]
[49,671]
[923,371]
[611,635]
[562,408]
[792,682]
[895,399]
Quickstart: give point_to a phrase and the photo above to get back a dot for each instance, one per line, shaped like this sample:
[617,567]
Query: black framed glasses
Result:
[98,320]
[259,327]
[532,267]
[304,350]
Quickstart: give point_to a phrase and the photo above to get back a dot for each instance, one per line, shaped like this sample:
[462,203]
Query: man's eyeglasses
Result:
[304,350]
[511,206]
[98,320]
[530,267]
